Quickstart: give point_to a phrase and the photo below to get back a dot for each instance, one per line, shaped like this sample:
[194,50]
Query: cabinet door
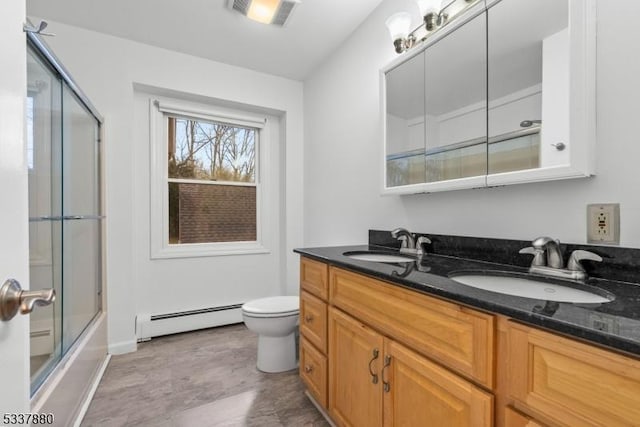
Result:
[541,90]
[354,398]
[405,124]
[422,393]
[570,383]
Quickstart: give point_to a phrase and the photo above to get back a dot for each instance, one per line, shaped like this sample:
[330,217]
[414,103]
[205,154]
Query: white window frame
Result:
[159,111]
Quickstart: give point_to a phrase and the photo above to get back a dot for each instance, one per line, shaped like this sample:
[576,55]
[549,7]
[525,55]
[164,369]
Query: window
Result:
[210,187]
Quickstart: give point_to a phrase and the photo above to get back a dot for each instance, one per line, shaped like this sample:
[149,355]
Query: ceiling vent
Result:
[274,12]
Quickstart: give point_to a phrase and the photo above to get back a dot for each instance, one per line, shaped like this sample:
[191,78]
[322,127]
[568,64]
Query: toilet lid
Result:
[273,306]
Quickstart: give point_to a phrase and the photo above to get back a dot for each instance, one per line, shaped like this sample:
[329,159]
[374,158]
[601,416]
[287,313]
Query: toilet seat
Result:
[272,307]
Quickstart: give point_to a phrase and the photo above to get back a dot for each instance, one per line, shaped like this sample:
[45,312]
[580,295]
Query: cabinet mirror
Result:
[436,110]
[504,94]
[405,123]
[456,104]
[528,55]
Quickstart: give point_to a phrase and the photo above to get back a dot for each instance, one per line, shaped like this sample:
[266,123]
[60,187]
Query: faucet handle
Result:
[577,256]
[421,240]
[403,240]
[538,255]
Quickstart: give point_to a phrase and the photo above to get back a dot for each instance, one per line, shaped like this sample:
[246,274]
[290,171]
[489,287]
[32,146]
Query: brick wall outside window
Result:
[211,213]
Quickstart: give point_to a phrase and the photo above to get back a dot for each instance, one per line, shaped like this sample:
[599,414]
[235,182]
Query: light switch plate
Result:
[603,223]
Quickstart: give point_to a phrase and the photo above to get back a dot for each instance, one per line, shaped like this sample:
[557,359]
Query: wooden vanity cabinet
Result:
[375,381]
[387,348]
[375,354]
[313,328]
[568,383]
[455,336]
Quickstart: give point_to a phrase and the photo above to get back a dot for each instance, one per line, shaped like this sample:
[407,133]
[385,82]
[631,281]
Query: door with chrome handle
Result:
[14,299]
[386,384]
[374,376]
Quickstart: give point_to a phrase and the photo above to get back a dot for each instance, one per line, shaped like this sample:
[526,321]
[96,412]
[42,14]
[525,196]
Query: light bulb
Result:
[399,25]
[429,6]
[263,10]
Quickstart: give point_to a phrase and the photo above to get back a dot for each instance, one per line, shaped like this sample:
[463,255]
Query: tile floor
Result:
[202,378]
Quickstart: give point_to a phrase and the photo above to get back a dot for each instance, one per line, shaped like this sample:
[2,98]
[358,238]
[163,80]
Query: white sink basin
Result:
[374,256]
[532,288]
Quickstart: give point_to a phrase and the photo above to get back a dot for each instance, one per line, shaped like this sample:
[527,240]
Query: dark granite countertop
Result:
[615,324]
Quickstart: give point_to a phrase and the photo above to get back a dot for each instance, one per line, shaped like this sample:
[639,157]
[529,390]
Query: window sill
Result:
[196,250]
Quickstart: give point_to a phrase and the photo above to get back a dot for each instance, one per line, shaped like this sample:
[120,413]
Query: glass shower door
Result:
[64,214]
[81,223]
[44,142]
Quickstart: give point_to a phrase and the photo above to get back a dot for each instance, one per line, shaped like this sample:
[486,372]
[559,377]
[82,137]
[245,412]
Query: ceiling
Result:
[208,29]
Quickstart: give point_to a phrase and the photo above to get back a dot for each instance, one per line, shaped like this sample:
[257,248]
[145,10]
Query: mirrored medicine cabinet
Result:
[504,94]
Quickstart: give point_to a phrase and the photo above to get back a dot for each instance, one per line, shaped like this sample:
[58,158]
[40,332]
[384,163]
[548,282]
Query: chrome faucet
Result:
[408,240]
[548,261]
[409,243]
[552,248]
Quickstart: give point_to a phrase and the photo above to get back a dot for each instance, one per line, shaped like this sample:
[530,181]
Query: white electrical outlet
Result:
[603,223]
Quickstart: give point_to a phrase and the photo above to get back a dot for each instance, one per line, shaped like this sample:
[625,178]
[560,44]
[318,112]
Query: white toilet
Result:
[275,320]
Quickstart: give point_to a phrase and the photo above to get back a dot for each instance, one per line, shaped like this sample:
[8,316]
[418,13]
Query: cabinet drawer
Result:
[456,336]
[313,277]
[516,419]
[571,383]
[313,320]
[313,371]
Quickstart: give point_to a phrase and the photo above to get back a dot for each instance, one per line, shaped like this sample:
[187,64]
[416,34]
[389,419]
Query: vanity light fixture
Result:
[435,14]
[274,12]
[399,25]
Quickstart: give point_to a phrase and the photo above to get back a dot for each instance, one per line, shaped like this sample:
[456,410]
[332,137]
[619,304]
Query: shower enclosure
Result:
[65,222]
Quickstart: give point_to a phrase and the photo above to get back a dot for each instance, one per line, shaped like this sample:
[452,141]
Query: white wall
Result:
[343,149]
[107,68]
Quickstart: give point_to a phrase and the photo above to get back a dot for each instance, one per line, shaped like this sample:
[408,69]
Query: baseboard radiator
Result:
[149,326]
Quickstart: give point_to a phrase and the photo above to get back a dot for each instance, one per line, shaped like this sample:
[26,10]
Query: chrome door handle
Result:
[13,298]
[386,384]
[374,376]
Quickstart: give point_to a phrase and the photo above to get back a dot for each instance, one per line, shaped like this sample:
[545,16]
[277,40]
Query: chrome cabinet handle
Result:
[14,299]
[387,363]
[374,376]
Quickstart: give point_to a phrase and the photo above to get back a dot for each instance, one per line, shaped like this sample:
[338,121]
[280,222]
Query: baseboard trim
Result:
[123,347]
[149,326]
